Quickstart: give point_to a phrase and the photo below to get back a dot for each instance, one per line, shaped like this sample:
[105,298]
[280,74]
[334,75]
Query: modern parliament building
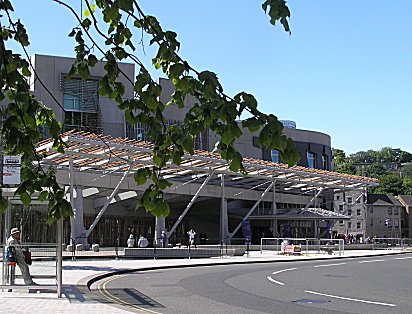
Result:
[276,200]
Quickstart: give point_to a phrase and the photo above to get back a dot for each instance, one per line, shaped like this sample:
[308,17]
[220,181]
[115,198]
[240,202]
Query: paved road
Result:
[363,285]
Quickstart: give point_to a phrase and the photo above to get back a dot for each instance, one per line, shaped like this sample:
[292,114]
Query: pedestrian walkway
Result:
[76,275]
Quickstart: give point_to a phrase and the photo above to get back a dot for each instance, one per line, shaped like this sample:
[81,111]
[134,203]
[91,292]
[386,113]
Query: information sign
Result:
[11,169]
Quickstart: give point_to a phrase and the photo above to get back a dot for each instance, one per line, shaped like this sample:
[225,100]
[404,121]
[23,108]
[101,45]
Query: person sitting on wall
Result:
[163,239]
[14,241]
[130,241]
[143,242]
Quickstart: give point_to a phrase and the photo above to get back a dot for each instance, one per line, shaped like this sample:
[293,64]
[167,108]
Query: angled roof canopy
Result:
[96,153]
[310,213]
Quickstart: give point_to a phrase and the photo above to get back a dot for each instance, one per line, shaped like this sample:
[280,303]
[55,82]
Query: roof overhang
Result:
[305,214]
[89,152]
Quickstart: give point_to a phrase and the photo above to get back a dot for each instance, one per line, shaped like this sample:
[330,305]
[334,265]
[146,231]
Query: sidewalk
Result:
[76,275]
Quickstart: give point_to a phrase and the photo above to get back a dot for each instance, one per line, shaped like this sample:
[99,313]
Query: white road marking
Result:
[275,281]
[350,299]
[327,265]
[281,271]
[278,272]
[372,261]
[404,257]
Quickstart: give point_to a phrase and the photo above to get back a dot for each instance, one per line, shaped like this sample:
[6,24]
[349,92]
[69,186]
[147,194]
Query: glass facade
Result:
[81,104]
[275,155]
[325,162]
[139,131]
[311,157]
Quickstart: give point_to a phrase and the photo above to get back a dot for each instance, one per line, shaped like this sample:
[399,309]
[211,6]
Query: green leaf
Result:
[42,196]
[92,60]
[161,208]
[90,10]
[163,184]
[25,199]
[252,124]
[236,162]
[4,204]
[176,70]
[83,70]
[26,72]
[141,176]
[126,5]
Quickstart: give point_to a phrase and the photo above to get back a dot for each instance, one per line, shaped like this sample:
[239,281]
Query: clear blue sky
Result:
[346,70]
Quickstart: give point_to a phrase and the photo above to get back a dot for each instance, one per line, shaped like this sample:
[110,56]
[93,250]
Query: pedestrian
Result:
[143,242]
[163,239]
[191,233]
[130,241]
[14,241]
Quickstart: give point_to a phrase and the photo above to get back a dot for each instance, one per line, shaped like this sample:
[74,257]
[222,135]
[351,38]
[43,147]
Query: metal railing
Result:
[390,243]
[43,269]
[306,245]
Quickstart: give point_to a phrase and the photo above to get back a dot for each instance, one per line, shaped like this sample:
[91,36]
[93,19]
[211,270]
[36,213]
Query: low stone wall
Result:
[179,252]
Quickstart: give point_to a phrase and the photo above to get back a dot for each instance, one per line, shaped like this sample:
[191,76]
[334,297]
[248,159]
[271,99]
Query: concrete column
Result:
[59,270]
[160,225]
[224,228]
[315,228]
[77,224]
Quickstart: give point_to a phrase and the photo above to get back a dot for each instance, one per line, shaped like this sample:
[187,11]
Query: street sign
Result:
[11,169]
[246,231]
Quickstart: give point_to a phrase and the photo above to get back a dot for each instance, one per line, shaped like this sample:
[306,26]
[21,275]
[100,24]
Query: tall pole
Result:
[59,271]
[223,212]
[275,231]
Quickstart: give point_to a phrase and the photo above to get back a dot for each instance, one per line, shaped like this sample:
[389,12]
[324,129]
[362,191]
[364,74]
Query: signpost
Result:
[11,169]
[246,234]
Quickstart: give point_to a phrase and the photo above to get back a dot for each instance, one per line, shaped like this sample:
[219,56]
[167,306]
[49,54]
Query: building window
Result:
[341,222]
[274,154]
[71,101]
[81,104]
[389,211]
[358,225]
[358,212]
[80,95]
[396,211]
[325,162]
[350,200]
[349,212]
[337,197]
[341,208]
[136,131]
[349,225]
[311,157]
[139,131]
[202,141]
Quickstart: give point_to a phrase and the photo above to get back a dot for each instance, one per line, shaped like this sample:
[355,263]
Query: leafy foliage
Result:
[214,109]
[23,120]
[390,184]
[372,164]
